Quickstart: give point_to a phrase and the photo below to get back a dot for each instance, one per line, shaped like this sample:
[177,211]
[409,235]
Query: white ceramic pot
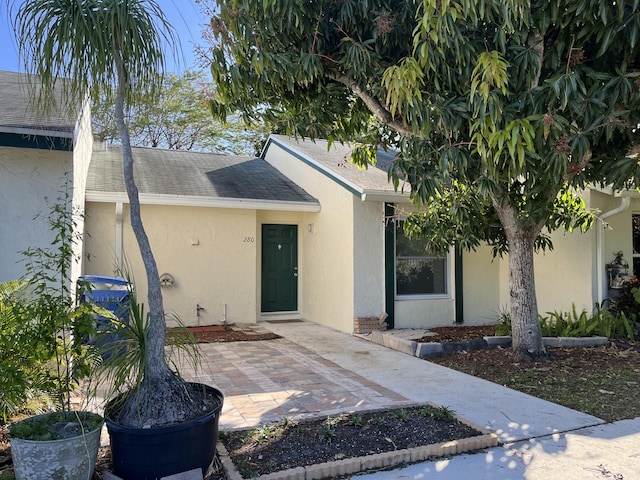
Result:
[71,458]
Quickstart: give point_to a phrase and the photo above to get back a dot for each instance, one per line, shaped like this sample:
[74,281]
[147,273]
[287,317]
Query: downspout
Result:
[119,247]
[600,273]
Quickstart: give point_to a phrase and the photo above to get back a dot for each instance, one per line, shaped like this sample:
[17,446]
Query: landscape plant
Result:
[499,112]
[23,361]
[603,322]
[93,48]
[121,343]
[47,306]
[45,326]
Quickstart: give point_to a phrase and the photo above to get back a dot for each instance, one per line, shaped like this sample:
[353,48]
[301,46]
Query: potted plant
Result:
[63,443]
[110,47]
[145,452]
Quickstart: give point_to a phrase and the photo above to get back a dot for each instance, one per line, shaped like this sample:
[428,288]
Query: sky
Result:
[184,15]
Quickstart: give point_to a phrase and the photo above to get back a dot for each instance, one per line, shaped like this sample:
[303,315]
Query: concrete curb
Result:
[355,465]
[430,349]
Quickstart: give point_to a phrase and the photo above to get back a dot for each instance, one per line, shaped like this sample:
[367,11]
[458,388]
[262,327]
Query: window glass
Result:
[417,273]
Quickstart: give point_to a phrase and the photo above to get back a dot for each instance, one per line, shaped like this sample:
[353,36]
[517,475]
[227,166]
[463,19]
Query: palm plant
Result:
[89,47]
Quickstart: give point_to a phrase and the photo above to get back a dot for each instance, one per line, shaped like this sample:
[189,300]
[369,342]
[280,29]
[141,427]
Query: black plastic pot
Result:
[153,453]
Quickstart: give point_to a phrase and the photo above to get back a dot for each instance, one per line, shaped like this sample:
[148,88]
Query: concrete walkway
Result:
[314,371]
[541,440]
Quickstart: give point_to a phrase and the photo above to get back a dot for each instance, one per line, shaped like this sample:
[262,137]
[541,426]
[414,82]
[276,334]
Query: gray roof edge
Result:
[353,188]
[384,196]
[193,201]
[58,133]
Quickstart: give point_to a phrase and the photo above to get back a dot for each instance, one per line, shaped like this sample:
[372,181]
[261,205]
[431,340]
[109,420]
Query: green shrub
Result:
[605,322]
[55,426]
[23,360]
[503,325]
[613,324]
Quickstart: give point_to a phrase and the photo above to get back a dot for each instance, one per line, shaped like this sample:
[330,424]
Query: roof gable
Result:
[369,184]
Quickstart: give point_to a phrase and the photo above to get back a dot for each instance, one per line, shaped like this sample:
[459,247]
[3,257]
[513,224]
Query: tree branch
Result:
[536,42]
[377,108]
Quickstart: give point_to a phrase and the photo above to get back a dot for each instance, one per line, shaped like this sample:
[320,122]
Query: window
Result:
[416,273]
[635,219]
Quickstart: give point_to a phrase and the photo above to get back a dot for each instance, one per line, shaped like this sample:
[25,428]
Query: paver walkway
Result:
[265,381]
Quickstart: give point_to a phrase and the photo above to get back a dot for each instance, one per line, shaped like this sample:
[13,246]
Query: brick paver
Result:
[266,381]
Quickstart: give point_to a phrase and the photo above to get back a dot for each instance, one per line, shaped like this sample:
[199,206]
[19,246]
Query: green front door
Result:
[279,268]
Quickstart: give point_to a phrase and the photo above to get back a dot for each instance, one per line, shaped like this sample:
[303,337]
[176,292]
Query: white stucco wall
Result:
[563,275]
[209,252]
[481,287]
[82,147]
[368,255]
[326,286]
[31,182]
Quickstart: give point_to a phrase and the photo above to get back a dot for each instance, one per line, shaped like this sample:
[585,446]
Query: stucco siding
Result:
[328,280]
[481,286]
[424,313]
[369,275]
[32,181]
[211,254]
[82,147]
[562,275]
[100,239]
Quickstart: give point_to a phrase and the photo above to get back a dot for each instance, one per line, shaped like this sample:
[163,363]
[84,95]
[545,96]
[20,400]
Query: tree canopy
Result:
[498,109]
[177,118]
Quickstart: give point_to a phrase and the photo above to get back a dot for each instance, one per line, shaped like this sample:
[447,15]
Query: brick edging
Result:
[354,465]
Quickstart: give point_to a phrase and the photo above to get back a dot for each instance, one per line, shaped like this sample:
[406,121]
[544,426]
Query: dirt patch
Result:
[232,333]
[287,444]
[602,381]
[457,334]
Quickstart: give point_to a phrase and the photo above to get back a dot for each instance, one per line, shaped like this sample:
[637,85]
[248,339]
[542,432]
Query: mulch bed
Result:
[286,444]
[458,334]
[229,333]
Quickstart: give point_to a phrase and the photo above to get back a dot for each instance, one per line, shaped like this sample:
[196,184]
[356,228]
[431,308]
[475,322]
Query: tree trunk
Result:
[525,325]
[162,397]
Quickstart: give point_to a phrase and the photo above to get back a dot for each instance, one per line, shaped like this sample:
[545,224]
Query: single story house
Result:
[302,233]
[299,232]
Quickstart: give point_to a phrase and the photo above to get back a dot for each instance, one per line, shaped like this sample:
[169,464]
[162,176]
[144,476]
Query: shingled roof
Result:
[18,116]
[178,177]
[370,184]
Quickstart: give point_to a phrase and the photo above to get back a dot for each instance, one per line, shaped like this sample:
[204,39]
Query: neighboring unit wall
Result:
[82,148]
[32,181]
[563,275]
[481,286]
[369,275]
[326,255]
[207,251]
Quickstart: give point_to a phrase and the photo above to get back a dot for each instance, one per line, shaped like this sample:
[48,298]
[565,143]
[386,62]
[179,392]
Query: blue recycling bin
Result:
[113,294]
